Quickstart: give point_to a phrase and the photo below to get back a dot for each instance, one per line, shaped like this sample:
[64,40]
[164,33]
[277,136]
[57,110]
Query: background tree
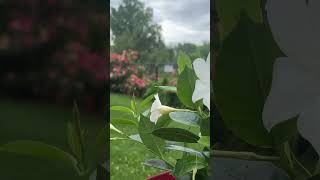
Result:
[133,27]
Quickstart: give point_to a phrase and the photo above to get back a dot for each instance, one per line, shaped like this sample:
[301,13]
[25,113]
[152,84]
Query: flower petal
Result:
[156,103]
[309,122]
[155,116]
[289,92]
[201,69]
[199,91]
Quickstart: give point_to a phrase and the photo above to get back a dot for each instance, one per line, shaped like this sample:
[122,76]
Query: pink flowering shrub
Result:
[50,51]
[126,76]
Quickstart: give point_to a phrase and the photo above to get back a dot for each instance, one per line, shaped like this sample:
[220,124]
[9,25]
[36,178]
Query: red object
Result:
[162,176]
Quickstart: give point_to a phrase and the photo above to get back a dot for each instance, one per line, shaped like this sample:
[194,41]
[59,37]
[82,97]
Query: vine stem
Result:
[251,156]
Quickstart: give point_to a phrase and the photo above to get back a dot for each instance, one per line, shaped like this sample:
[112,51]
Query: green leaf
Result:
[243,78]
[185,87]
[146,101]
[75,137]
[282,132]
[205,126]
[163,121]
[122,109]
[291,164]
[153,143]
[187,118]
[187,164]
[42,151]
[134,105]
[124,121]
[101,145]
[183,61]
[316,177]
[157,163]
[184,149]
[204,140]
[102,173]
[115,129]
[176,134]
[136,137]
[168,88]
[229,12]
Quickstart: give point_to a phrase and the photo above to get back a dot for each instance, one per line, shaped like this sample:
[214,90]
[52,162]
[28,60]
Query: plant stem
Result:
[251,156]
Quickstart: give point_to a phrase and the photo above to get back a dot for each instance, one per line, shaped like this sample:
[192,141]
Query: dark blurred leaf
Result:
[243,78]
[41,150]
[75,136]
[229,12]
[102,173]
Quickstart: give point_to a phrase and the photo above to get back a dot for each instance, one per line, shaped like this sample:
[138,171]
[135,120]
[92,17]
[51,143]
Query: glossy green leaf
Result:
[187,118]
[42,151]
[204,140]
[153,143]
[157,163]
[243,78]
[122,109]
[184,149]
[229,12]
[185,87]
[187,164]
[136,137]
[168,88]
[122,121]
[183,61]
[176,134]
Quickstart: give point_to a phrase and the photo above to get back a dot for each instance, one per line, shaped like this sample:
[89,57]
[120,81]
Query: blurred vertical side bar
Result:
[54,89]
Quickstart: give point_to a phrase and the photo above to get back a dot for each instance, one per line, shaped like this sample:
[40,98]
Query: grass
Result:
[23,120]
[126,157]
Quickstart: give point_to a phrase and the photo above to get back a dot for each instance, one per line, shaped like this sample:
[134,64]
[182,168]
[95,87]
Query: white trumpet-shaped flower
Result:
[202,86]
[157,109]
[295,90]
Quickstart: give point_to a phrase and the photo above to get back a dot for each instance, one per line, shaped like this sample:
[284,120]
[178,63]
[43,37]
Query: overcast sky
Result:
[181,20]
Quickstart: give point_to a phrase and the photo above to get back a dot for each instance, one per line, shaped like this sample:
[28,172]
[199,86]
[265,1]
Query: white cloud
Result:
[181,20]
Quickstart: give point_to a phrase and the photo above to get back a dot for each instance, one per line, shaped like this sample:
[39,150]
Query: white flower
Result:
[202,86]
[295,90]
[157,109]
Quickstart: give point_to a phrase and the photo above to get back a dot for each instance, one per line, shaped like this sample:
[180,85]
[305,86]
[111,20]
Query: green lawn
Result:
[23,120]
[126,157]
